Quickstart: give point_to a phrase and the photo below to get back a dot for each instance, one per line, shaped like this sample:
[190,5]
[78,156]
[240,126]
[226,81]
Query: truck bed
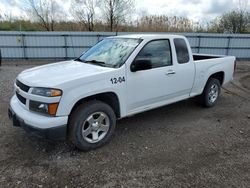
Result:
[198,57]
[206,65]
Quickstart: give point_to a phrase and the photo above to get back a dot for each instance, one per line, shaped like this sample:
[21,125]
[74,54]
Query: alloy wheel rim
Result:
[95,127]
[213,93]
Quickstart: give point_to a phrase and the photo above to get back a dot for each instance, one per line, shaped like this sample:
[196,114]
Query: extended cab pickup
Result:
[120,76]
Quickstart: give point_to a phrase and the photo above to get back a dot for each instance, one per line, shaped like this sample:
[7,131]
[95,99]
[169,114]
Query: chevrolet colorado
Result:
[81,99]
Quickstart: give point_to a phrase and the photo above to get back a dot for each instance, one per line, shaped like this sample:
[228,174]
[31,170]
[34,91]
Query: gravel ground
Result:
[180,145]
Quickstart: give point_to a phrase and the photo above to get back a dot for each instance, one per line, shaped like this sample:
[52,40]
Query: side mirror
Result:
[141,64]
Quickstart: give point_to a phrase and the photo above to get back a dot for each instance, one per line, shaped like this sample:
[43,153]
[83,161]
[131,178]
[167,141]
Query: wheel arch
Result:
[109,98]
[219,76]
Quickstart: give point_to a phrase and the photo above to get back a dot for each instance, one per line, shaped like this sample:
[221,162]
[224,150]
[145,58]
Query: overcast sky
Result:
[197,10]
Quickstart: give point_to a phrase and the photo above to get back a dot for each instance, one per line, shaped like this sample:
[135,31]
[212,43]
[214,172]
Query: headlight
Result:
[46,92]
[44,108]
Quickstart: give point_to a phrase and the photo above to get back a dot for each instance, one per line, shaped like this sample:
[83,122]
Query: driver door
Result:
[149,88]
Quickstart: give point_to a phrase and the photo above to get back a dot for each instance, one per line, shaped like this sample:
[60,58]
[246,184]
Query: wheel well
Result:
[219,76]
[109,98]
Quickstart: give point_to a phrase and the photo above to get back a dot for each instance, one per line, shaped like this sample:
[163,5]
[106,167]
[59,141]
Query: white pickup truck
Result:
[81,99]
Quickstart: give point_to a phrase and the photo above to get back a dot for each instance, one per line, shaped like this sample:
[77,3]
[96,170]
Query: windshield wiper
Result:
[94,62]
[78,59]
[91,61]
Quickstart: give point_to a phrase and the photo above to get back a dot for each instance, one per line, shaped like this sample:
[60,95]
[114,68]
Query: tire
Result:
[210,93]
[91,125]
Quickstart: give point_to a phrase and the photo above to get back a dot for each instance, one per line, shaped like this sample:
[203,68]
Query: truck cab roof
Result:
[148,36]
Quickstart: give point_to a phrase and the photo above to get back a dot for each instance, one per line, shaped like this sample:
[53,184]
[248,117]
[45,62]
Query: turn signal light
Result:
[55,93]
[52,109]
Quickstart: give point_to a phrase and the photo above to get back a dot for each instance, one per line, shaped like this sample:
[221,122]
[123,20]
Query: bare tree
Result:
[242,5]
[1,17]
[163,23]
[84,12]
[243,16]
[43,11]
[7,17]
[235,21]
[116,11]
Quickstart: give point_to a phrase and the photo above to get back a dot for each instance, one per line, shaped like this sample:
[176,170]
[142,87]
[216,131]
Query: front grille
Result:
[21,98]
[22,86]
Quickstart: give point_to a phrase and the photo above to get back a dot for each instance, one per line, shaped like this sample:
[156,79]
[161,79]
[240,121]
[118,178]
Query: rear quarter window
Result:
[181,50]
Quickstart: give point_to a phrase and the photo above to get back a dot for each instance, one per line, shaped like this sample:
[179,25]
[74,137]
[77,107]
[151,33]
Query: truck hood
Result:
[52,75]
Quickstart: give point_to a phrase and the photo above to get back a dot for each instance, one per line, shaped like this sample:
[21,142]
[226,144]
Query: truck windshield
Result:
[110,52]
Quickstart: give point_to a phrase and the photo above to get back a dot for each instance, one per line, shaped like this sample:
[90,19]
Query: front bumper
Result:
[53,128]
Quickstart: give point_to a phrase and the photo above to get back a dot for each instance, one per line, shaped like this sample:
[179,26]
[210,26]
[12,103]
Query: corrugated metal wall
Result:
[64,45]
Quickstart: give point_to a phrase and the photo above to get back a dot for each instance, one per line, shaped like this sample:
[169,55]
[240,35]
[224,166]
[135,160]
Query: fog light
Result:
[44,108]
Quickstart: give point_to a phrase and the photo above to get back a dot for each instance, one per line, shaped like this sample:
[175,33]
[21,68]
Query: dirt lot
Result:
[181,145]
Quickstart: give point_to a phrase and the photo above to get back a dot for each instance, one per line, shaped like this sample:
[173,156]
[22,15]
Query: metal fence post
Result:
[0,57]
[228,45]
[98,38]
[199,43]
[24,46]
[65,46]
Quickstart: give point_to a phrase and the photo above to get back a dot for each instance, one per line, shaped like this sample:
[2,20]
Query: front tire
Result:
[91,125]
[210,93]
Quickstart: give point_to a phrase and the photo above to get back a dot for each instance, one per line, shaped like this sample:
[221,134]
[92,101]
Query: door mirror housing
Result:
[141,64]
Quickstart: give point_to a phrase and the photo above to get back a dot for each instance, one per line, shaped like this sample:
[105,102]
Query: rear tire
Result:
[210,93]
[91,125]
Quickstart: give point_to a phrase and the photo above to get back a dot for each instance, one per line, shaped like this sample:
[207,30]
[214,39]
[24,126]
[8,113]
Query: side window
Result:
[158,52]
[181,50]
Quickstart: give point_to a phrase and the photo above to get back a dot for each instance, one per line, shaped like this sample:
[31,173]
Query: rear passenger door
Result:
[184,67]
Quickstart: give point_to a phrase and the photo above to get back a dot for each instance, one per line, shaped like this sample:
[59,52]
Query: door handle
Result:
[170,72]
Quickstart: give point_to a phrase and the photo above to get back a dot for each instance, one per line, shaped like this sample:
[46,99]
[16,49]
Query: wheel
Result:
[91,125]
[210,93]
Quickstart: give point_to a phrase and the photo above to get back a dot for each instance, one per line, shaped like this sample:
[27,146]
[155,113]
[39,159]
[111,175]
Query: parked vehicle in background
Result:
[120,76]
